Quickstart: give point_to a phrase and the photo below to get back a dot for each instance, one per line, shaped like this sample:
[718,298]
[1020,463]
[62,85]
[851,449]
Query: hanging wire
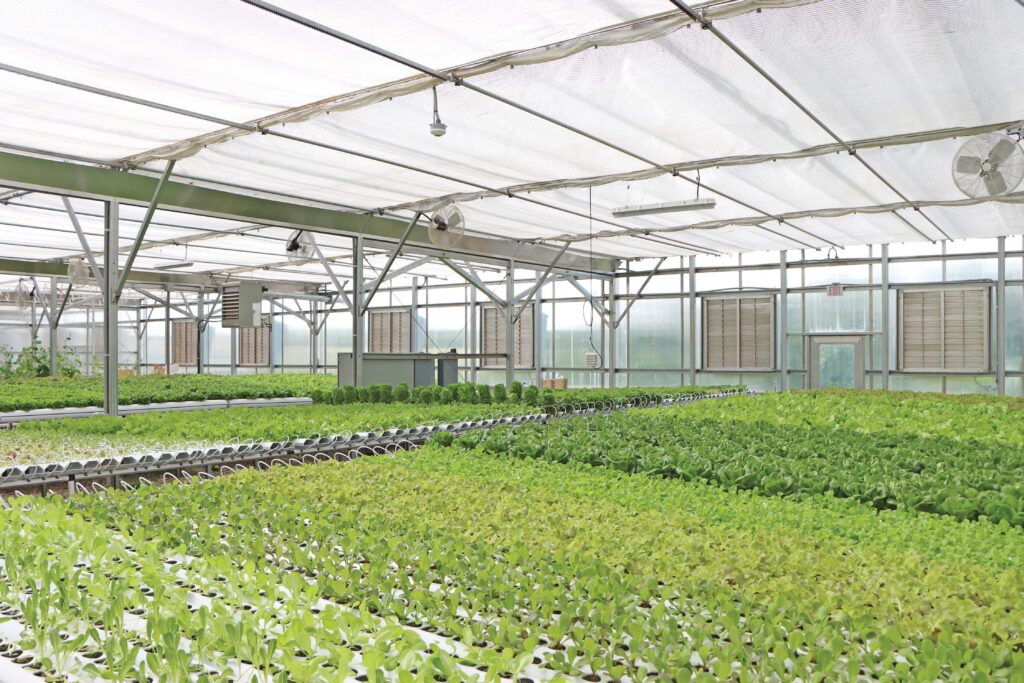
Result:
[587,304]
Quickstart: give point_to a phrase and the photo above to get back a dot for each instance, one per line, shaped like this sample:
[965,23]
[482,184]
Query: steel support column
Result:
[538,337]
[414,305]
[474,334]
[200,332]
[613,333]
[1001,319]
[510,339]
[167,332]
[885,316]
[357,311]
[53,326]
[110,238]
[692,295]
[783,335]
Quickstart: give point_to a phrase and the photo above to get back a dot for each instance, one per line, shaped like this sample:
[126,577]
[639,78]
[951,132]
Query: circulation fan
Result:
[447,226]
[988,165]
[300,246]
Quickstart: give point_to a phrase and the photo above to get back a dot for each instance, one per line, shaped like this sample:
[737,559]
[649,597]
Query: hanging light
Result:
[78,274]
[437,129]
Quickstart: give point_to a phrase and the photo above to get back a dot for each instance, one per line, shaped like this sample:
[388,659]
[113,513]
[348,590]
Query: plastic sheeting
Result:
[639,75]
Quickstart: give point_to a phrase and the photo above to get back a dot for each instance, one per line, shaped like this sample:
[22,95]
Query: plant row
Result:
[104,436]
[520,568]
[971,417]
[29,394]
[483,394]
[723,444]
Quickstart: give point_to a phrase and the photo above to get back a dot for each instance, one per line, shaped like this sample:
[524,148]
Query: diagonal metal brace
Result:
[473,280]
[391,259]
[591,299]
[97,272]
[141,236]
[538,284]
[640,291]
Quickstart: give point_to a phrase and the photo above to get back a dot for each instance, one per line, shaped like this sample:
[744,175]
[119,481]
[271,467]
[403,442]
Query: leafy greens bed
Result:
[102,436]
[379,568]
[756,443]
[29,394]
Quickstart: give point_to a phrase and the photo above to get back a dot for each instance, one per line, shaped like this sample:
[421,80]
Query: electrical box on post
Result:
[242,305]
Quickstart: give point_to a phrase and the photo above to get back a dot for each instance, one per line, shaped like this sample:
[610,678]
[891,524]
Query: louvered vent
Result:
[390,331]
[184,342]
[739,333]
[944,329]
[493,337]
[229,306]
[254,345]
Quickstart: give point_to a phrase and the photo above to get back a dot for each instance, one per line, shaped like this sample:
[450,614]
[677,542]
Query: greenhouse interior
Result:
[511,342]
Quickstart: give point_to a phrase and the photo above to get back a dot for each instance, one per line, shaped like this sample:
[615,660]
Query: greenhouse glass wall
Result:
[829,322]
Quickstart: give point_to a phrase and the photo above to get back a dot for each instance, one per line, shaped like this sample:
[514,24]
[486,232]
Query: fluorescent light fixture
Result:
[172,266]
[664,207]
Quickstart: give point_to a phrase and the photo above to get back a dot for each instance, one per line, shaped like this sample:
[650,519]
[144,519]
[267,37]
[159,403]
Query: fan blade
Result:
[1002,151]
[995,183]
[968,165]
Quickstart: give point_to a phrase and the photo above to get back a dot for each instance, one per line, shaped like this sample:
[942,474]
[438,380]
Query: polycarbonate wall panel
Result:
[846,313]
[655,329]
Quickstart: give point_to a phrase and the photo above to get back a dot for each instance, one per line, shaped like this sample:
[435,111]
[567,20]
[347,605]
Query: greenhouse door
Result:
[837,362]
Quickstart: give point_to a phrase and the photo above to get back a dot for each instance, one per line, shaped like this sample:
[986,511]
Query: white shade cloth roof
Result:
[639,76]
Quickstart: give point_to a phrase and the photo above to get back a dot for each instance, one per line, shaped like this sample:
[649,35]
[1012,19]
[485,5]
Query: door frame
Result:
[816,341]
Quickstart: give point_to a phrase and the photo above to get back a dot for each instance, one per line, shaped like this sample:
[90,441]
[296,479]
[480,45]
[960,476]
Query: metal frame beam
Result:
[475,281]
[47,175]
[721,162]
[143,228]
[707,25]
[591,299]
[640,291]
[452,78]
[97,274]
[512,299]
[391,259]
[252,128]
[166,302]
[403,270]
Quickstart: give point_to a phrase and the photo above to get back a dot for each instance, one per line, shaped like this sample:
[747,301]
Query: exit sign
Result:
[835,289]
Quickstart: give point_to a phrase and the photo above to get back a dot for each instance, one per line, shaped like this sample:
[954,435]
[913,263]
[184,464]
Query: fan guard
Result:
[447,226]
[988,165]
[300,246]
